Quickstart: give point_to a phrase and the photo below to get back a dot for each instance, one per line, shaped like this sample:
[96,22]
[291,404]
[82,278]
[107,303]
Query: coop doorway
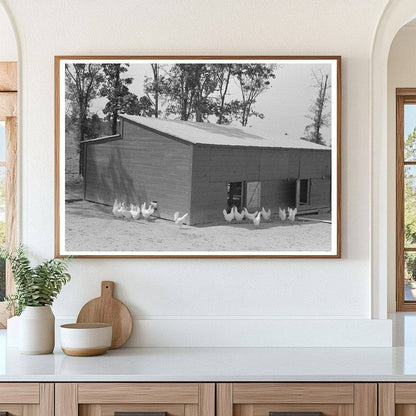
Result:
[303,192]
[253,195]
[243,194]
[235,195]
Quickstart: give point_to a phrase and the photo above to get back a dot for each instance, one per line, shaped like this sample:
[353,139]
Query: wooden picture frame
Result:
[245,139]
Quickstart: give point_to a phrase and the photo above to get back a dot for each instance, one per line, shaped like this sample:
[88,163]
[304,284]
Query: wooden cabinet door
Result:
[27,399]
[297,399]
[397,399]
[153,399]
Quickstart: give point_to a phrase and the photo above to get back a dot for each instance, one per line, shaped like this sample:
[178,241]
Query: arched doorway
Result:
[396,14]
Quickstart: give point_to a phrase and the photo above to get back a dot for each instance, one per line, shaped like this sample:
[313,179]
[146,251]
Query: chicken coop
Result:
[202,168]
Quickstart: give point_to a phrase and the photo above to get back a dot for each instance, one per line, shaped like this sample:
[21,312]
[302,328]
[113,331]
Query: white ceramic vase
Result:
[37,330]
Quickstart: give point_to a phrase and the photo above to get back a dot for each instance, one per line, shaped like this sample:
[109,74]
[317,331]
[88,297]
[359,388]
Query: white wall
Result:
[401,74]
[8,47]
[179,302]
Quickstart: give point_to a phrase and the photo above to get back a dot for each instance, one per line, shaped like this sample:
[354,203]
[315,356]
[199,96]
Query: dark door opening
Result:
[234,195]
[304,191]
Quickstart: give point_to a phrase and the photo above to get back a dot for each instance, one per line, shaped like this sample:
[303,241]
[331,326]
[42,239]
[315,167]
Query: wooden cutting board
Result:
[107,309]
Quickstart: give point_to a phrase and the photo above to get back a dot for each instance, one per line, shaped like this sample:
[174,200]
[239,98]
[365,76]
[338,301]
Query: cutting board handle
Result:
[107,289]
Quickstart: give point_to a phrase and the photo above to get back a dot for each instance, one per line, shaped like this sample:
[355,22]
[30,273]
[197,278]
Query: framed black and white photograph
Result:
[198,156]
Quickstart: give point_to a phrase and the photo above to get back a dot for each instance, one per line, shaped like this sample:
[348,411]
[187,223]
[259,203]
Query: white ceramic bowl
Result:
[83,340]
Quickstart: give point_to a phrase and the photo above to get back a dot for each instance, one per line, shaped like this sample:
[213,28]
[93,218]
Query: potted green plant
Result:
[36,289]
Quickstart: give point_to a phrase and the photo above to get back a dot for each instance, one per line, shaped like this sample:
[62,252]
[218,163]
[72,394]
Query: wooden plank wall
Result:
[143,166]
[146,166]
[276,169]
[278,193]
[320,192]
[315,164]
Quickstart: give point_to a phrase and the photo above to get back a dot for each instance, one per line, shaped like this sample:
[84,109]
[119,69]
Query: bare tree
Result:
[318,114]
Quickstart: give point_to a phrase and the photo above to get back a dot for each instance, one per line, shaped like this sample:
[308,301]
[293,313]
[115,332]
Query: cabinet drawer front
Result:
[138,393]
[11,409]
[330,399]
[26,399]
[405,393]
[111,409]
[27,393]
[295,409]
[397,399]
[251,393]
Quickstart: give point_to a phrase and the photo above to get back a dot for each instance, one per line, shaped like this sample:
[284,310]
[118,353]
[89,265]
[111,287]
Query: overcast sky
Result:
[285,105]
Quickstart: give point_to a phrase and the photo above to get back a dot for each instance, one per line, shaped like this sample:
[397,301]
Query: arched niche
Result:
[396,14]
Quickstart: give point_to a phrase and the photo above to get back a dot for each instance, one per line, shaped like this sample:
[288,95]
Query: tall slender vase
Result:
[37,330]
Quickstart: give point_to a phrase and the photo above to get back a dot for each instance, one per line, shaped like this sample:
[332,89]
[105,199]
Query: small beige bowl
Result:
[84,340]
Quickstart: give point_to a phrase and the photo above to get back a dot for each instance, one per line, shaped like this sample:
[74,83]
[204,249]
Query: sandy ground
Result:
[92,227]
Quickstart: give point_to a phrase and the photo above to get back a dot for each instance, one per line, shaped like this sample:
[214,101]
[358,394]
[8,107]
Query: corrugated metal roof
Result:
[221,135]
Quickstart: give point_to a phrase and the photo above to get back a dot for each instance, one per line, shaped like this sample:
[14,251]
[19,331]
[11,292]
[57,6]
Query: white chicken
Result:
[135,211]
[179,220]
[249,215]
[292,214]
[239,216]
[117,206]
[147,212]
[125,212]
[256,220]
[266,214]
[282,214]
[228,216]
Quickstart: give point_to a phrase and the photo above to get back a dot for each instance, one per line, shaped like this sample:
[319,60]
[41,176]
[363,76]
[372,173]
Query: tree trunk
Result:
[198,100]
[246,112]
[82,127]
[155,68]
[114,123]
[117,106]
[184,112]
[318,124]
[223,95]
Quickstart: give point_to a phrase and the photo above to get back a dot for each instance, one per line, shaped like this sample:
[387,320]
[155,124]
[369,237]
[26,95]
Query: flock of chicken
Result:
[234,214]
[291,214]
[133,212]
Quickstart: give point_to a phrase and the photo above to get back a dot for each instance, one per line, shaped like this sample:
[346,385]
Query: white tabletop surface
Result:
[214,364]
